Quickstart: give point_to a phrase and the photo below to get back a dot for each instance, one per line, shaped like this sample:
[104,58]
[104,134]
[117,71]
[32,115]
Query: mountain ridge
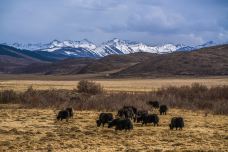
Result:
[205,61]
[86,48]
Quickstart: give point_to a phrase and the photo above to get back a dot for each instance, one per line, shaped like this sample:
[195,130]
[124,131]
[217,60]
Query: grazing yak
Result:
[154,104]
[131,107]
[63,114]
[71,112]
[121,124]
[126,113]
[104,118]
[139,116]
[151,118]
[163,109]
[176,122]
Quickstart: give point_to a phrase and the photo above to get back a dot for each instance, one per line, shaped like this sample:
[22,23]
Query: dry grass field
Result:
[37,130]
[109,84]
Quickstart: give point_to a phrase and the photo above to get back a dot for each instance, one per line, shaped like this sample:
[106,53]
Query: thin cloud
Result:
[150,21]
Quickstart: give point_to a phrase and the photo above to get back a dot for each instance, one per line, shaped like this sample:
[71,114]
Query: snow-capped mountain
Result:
[55,45]
[29,46]
[117,46]
[207,44]
[85,48]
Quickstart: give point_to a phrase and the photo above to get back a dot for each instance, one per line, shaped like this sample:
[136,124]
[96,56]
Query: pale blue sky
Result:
[150,21]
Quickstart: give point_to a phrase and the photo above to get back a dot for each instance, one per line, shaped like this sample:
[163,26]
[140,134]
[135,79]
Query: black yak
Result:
[139,116]
[151,118]
[163,109]
[71,111]
[154,104]
[177,122]
[126,113]
[63,114]
[104,118]
[131,107]
[121,124]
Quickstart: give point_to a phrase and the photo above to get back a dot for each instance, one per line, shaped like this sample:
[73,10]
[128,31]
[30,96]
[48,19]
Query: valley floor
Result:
[37,130]
[22,82]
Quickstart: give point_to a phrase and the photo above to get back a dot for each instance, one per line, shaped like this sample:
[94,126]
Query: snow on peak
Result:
[55,45]
[115,40]
[114,46]
[207,44]
[29,46]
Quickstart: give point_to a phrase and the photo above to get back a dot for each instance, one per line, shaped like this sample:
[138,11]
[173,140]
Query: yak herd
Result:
[126,115]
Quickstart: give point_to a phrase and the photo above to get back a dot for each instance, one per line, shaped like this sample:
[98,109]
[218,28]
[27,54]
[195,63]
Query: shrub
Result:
[8,96]
[89,87]
[45,98]
[196,96]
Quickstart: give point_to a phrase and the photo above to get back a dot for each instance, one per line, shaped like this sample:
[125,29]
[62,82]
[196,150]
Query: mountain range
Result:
[115,58]
[204,61]
[85,48]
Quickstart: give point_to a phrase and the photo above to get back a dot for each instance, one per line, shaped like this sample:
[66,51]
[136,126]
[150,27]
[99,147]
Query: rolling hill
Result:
[113,63]
[66,66]
[6,50]
[206,61]
[12,58]
[108,64]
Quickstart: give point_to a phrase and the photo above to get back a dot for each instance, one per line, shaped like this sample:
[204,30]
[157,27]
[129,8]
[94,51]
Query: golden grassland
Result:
[133,84]
[37,130]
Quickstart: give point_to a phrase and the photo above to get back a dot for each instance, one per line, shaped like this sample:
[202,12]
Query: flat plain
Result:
[21,83]
[37,130]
